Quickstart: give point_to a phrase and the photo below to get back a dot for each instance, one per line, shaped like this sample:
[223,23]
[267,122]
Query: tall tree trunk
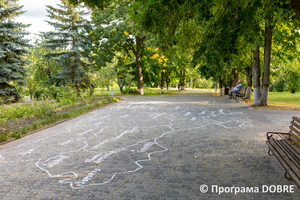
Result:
[121,84]
[167,77]
[162,81]
[78,88]
[194,81]
[256,76]
[183,80]
[249,82]
[295,5]
[267,61]
[180,80]
[235,77]
[216,85]
[139,74]
[91,89]
[220,86]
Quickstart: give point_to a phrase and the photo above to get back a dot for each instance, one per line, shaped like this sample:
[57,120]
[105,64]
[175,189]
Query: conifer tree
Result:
[13,49]
[71,34]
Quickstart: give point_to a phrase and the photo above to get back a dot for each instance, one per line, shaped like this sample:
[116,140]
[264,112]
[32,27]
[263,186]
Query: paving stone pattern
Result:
[147,147]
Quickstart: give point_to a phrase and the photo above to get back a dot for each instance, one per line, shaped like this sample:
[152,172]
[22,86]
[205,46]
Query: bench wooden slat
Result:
[284,160]
[292,168]
[294,152]
[295,149]
[296,132]
[297,126]
[284,145]
[294,137]
[297,119]
[283,163]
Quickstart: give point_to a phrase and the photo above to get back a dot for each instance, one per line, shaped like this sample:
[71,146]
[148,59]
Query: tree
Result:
[114,32]
[13,50]
[71,34]
[41,69]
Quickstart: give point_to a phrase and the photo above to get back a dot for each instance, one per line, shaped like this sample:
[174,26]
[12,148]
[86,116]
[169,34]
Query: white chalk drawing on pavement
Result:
[27,152]
[93,148]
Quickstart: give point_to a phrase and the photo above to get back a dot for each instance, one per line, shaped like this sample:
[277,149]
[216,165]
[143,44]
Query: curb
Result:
[56,123]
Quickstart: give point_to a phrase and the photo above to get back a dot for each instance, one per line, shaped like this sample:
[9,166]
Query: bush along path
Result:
[19,119]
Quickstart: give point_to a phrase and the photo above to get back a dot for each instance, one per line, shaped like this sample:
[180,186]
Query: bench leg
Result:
[287,177]
[269,152]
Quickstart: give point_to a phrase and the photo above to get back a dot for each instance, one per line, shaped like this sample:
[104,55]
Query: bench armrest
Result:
[268,136]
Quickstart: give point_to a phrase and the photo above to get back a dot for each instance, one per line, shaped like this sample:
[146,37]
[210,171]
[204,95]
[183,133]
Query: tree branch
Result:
[130,47]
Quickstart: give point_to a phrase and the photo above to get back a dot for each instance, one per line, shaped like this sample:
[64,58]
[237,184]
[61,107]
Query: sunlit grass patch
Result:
[103,91]
[281,101]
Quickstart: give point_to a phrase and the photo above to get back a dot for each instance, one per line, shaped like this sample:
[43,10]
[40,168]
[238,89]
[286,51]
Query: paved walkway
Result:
[150,147]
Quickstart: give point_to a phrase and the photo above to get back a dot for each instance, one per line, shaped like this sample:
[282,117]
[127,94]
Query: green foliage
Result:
[12,52]
[293,81]
[41,69]
[279,85]
[15,135]
[71,34]
[129,90]
[204,83]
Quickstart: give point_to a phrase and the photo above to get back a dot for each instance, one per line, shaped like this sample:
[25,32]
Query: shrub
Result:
[279,85]
[15,135]
[129,90]
[293,81]
[41,93]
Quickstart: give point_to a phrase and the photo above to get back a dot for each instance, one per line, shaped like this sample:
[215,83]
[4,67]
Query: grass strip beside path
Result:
[30,124]
[276,101]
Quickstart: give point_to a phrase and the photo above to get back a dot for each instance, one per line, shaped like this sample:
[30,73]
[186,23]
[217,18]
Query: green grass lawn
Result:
[277,100]
[147,91]
[156,91]
[282,101]
[102,91]
[285,97]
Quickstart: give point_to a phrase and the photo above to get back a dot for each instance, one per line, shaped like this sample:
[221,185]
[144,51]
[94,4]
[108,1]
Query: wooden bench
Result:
[282,145]
[241,93]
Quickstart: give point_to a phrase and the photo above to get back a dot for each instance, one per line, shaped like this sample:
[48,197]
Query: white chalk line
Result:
[85,132]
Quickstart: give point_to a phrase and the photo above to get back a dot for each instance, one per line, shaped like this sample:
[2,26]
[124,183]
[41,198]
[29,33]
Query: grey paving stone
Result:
[148,147]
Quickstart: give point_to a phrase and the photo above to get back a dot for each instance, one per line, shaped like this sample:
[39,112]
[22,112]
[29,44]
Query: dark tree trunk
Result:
[235,77]
[295,4]
[139,74]
[194,81]
[220,86]
[267,61]
[162,81]
[167,77]
[121,84]
[256,76]
[183,79]
[249,82]
[92,88]
[77,88]
[180,80]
